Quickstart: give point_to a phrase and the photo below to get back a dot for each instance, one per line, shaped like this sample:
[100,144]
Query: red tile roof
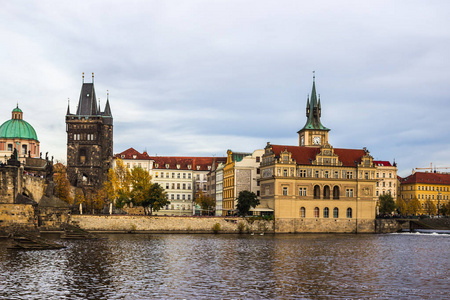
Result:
[131,153]
[427,178]
[382,163]
[196,163]
[173,161]
[305,155]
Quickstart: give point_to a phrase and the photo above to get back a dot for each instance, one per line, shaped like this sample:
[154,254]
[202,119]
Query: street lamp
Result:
[439,203]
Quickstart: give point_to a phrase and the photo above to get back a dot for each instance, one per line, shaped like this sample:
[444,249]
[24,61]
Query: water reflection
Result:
[231,267]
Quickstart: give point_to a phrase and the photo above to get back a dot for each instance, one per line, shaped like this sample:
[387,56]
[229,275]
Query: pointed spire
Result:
[107,112]
[68,106]
[82,80]
[314,109]
[92,77]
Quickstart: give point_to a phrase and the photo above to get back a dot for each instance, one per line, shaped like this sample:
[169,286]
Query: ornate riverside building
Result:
[18,134]
[314,187]
[89,140]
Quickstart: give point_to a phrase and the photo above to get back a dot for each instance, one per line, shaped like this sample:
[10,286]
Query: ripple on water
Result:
[230,267]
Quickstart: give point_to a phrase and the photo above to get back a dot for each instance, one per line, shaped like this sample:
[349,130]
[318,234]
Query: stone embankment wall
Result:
[313,225]
[389,225]
[159,224]
[34,187]
[17,215]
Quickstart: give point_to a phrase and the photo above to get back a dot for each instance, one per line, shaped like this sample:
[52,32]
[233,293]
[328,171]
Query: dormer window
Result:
[123,156]
[198,168]
[178,166]
[167,166]
[134,156]
[209,168]
[189,167]
[156,166]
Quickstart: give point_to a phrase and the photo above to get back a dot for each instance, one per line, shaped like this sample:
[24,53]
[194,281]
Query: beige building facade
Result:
[315,187]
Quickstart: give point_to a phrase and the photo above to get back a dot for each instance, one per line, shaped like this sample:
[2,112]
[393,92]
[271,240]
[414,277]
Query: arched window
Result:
[326,192]
[349,213]
[336,192]
[326,212]
[302,212]
[336,213]
[316,192]
[316,212]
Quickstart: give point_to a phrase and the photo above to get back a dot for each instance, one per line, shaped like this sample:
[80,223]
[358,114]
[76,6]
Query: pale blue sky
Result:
[200,77]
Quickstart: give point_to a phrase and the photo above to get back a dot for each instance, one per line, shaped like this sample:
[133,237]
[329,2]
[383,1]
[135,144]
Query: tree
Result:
[151,196]
[445,209]
[62,184]
[387,204]
[412,206]
[117,186]
[245,201]
[401,206]
[430,208]
[206,203]
[156,198]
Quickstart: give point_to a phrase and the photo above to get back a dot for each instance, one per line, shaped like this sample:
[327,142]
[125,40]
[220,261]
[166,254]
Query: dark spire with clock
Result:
[313,133]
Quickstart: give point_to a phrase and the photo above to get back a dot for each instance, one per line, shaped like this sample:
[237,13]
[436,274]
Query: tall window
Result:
[326,212]
[349,213]
[316,174]
[285,172]
[316,192]
[285,191]
[326,174]
[336,213]
[336,174]
[326,192]
[316,212]
[349,175]
[302,212]
[335,192]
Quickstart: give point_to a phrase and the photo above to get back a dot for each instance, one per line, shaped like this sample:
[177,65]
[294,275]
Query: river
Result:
[229,266]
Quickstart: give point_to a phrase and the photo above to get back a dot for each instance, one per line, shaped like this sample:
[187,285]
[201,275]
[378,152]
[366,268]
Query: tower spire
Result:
[68,106]
[82,78]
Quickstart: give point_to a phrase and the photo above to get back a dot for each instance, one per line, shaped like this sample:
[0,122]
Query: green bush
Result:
[241,227]
[216,228]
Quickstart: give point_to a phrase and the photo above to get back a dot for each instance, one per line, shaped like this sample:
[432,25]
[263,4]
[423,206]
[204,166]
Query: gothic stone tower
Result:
[313,134]
[89,140]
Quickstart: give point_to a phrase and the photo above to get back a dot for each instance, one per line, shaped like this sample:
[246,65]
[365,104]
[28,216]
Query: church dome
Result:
[16,128]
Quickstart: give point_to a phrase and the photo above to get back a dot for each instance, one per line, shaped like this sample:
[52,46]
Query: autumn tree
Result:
[206,203]
[413,206]
[387,204]
[117,186]
[430,208]
[62,184]
[401,206]
[151,196]
[245,201]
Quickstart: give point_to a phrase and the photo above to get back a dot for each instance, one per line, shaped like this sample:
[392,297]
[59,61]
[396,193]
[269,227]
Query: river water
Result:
[224,266]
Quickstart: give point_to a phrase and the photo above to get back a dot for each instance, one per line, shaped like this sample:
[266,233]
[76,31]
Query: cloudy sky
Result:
[200,77]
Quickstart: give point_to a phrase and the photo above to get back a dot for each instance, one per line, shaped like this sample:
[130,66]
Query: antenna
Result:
[92,77]
[82,77]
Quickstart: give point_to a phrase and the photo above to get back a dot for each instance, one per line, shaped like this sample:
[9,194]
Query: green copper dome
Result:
[16,128]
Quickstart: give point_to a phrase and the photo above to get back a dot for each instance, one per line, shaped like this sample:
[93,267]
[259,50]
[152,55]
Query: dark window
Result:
[326,192]
[326,212]
[336,213]
[316,192]
[336,192]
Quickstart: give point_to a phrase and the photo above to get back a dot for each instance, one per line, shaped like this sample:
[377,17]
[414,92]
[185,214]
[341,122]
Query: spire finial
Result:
[92,77]
[107,94]
[82,77]
[314,76]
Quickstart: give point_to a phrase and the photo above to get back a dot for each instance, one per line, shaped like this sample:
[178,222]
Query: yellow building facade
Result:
[428,188]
